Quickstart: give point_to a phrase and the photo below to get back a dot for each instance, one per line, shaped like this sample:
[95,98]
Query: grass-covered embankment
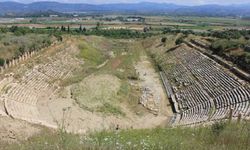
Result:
[223,136]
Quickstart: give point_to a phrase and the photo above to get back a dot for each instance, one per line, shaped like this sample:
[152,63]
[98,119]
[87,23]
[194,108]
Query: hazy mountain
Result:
[145,7]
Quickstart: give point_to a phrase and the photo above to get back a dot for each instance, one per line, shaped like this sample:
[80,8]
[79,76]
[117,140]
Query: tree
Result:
[145,29]
[1,61]
[98,25]
[80,28]
[63,28]
[68,29]
[4,30]
[84,29]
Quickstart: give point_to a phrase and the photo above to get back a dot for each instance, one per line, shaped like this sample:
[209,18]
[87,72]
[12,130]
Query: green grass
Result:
[12,45]
[225,21]
[97,92]
[47,140]
[200,27]
[110,109]
[220,136]
[79,75]
[90,53]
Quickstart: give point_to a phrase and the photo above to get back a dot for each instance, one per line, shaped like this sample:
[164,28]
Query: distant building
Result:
[115,28]
[52,16]
[19,18]
[135,19]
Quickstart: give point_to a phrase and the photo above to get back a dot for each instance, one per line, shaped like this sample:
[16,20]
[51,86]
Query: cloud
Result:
[182,2]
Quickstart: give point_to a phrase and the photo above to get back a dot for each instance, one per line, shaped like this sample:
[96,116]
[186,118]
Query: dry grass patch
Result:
[96,91]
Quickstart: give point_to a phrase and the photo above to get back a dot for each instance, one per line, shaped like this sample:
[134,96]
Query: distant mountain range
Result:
[132,8]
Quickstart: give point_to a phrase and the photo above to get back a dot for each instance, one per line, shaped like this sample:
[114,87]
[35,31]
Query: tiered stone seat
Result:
[29,88]
[197,114]
[240,108]
[179,75]
[214,80]
[237,99]
[22,111]
[210,93]
[52,70]
[61,67]
[22,97]
[235,96]
[191,96]
[247,112]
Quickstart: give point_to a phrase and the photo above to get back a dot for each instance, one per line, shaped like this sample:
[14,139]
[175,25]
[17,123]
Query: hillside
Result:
[129,8]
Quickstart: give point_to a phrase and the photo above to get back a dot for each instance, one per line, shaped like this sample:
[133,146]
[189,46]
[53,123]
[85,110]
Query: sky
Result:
[182,2]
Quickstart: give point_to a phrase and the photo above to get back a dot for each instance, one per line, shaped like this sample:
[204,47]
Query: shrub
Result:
[163,40]
[179,40]
[1,61]
[218,127]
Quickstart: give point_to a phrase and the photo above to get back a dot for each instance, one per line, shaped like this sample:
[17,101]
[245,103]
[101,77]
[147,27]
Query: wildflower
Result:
[129,143]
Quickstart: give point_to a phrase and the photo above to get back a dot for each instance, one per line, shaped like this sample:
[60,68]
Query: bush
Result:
[163,40]
[228,34]
[121,33]
[1,61]
[219,46]
[218,127]
[179,40]
[13,46]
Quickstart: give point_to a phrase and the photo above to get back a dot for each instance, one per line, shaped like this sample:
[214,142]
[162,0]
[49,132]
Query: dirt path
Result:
[157,99]
[154,95]
[16,130]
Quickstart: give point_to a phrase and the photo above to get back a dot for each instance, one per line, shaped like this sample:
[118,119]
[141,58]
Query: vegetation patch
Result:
[233,50]
[217,136]
[110,109]
[95,91]
[90,54]
[79,75]
[223,136]
[13,46]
